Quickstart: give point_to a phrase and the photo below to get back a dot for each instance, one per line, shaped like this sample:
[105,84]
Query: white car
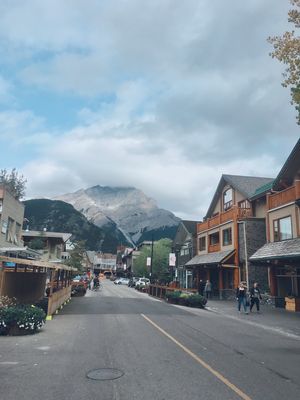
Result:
[121,281]
[142,282]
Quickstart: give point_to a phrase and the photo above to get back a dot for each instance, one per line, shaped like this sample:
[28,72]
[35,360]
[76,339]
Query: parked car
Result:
[121,281]
[133,281]
[142,282]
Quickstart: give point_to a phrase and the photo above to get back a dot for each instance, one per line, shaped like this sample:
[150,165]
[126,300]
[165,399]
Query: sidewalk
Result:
[275,319]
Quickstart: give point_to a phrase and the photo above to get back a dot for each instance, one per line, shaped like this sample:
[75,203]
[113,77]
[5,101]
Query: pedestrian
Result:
[201,285]
[255,296]
[241,296]
[207,289]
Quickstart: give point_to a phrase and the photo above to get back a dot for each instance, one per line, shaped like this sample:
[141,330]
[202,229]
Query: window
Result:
[202,243]
[227,237]
[227,199]
[17,236]
[214,238]
[9,231]
[282,229]
[244,204]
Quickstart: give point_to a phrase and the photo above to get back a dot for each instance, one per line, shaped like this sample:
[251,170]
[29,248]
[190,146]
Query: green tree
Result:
[76,256]
[160,265]
[13,182]
[37,244]
[287,51]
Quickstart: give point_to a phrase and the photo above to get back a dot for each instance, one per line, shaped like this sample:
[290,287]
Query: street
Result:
[160,350]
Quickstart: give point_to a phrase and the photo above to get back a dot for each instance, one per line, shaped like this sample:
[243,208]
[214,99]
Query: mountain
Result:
[58,216]
[135,215]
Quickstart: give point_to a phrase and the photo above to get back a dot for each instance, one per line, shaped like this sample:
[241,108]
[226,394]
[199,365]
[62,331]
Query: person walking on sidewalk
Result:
[241,296]
[255,296]
[207,289]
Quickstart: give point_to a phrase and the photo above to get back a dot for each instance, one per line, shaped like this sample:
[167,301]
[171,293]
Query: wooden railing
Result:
[57,299]
[160,291]
[286,196]
[230,215]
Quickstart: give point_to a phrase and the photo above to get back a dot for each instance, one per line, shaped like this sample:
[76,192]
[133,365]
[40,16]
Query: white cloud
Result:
[177,93]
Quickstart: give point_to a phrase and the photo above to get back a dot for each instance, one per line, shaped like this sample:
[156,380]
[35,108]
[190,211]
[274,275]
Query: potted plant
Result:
[292,303]
[21,319]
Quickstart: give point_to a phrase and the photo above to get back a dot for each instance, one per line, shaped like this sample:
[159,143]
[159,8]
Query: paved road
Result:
[164,351]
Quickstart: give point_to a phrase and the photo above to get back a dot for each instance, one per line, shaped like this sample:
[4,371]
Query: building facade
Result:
[233,221]
[11,220]
[281,254]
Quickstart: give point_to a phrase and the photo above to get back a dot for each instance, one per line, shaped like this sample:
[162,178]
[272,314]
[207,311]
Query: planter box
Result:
[292,304]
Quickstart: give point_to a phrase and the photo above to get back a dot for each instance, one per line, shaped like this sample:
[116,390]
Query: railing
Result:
[284,197]
[161,291]
[229,215]
[57,299]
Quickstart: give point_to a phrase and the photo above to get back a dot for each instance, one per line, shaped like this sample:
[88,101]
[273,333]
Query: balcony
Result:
[286,196]
[232,214]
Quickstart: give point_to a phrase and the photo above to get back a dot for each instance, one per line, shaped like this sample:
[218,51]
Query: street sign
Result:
[172,259]
[148,262]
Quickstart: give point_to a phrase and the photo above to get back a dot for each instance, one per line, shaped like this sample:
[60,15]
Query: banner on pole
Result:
[148,262]
[172,259]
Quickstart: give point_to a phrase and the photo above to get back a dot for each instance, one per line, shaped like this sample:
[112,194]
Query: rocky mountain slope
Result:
[58,216]
[135,215]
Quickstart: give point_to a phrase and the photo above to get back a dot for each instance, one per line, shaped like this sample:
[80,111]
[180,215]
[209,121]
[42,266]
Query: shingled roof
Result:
[289,169]
[190,226]
[210,258]
[285,249]
[246,185]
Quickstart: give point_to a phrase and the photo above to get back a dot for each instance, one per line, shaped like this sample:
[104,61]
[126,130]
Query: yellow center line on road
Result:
[222,378]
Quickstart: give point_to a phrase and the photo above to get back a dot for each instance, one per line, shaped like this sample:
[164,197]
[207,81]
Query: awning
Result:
[210,258]
[286,249]
[36,263]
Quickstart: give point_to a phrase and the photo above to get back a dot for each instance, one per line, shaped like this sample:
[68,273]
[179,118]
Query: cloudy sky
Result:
[163,95]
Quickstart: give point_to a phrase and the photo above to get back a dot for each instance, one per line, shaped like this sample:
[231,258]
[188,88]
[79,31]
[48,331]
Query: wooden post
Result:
[221,286]
[273,281]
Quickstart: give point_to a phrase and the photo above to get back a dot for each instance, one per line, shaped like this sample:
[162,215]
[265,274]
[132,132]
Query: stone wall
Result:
[255,238]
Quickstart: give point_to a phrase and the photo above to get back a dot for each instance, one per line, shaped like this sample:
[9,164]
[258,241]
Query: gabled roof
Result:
[246,185]
[289,169]
[190,226]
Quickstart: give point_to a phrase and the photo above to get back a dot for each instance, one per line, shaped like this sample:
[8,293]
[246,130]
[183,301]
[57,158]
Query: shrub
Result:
[24,318]
[196,300]
[43,304]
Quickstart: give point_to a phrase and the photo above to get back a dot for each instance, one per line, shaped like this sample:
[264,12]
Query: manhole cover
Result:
[105,374]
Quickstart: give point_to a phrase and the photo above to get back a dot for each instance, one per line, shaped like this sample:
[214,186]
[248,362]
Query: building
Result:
[11,220]
[281,254]
[235,219]
[185,248]
[51,246]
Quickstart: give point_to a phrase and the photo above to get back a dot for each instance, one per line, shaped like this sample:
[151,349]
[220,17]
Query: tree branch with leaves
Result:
[287,51]
[13,182]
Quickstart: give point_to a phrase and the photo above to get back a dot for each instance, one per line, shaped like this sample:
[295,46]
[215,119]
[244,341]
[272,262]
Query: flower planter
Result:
[292,304]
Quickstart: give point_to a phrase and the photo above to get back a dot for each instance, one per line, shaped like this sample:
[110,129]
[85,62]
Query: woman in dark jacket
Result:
[241,296]
[255,296]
